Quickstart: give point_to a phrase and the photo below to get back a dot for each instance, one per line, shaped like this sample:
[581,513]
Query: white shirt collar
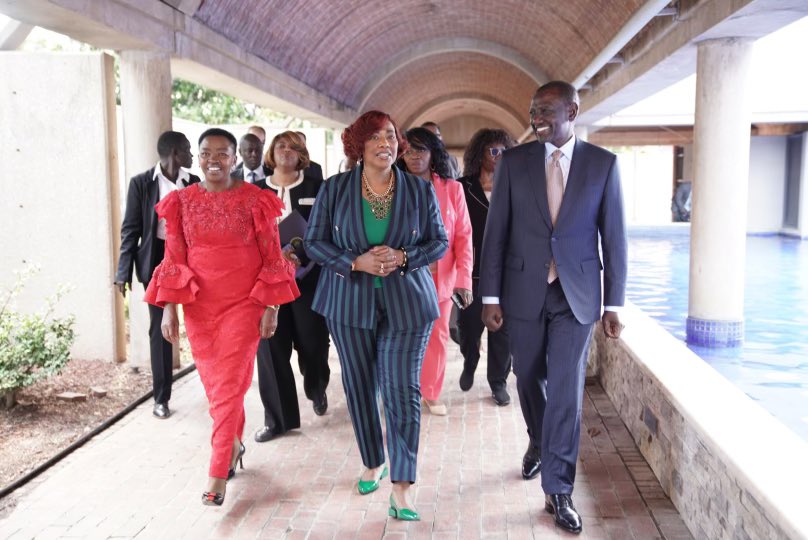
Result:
[181,175]
[566,149]
[259,173]
[276,187]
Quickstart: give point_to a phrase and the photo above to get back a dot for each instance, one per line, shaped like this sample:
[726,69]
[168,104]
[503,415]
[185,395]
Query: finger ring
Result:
[381,268]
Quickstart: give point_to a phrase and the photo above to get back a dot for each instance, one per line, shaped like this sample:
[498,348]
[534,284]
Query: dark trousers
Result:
[470,330]
[162,354]
[549,361]
[385,360]
[162,358]
[299,327]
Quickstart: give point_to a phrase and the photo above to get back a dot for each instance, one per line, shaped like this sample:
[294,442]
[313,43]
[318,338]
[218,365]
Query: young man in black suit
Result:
[143,246]
[251,169]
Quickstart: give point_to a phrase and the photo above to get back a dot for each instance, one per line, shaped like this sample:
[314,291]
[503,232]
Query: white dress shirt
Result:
[259,174]
[166,186]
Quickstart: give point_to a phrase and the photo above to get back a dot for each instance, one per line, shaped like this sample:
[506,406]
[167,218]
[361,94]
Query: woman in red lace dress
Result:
[223,262]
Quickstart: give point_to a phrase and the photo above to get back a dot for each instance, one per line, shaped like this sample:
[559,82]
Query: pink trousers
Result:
[434,366]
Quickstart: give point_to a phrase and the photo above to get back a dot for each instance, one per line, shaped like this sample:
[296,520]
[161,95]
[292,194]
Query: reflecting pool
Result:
[772,365]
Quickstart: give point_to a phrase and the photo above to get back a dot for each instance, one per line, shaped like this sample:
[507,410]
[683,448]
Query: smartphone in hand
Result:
[458,301]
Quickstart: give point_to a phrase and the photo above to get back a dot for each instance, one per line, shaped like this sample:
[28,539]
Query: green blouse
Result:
[375,231]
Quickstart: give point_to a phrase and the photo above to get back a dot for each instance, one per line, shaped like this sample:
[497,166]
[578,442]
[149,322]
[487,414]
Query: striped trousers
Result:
[387,361]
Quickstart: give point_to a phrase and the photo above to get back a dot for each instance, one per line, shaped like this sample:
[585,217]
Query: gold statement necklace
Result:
[379,204]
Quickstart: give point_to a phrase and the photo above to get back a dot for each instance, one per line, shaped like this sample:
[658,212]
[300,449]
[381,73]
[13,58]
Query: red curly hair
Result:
[357,134]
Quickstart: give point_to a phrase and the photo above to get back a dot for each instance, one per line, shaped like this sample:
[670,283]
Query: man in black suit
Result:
[314,170]
[143,246]
[251,169]
[563,197]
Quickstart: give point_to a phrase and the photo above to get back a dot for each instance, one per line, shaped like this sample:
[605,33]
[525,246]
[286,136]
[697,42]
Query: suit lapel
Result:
[476,191]
[153,187]
[354,199]
[538,180]
[575,180]
[397,230]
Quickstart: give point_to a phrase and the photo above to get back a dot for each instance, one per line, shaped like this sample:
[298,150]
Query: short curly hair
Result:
[475,151]
[296,142]
[357,134]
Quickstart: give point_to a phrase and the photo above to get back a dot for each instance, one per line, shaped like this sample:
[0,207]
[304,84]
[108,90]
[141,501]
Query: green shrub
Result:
[32,346]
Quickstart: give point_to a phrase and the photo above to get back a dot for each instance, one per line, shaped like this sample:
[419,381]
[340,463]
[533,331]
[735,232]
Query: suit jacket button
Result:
[553,239]
[547,265]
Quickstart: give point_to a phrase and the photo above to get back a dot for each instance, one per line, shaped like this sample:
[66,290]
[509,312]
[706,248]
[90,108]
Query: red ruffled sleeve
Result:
[172,281]
[276,281]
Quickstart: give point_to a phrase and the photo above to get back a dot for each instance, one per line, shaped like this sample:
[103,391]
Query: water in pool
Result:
[772,365]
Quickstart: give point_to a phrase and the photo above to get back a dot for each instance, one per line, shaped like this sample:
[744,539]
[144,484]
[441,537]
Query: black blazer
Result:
[139,229]
[306,192]
[477,203]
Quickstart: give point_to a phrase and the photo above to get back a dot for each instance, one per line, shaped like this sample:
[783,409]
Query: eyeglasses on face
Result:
[415,151]
[495,151]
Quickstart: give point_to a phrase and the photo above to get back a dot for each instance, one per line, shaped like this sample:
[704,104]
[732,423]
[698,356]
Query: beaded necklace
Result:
[379,204]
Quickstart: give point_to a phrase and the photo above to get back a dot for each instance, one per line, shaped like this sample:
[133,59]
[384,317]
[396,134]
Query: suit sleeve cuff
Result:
[490,299]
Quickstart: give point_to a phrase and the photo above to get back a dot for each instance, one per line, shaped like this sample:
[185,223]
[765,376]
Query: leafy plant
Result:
[32,346]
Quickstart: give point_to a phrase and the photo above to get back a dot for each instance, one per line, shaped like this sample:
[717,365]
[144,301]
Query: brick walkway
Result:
[143,478]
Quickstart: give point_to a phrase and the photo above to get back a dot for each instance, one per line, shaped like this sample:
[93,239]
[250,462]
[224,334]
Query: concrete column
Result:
[12,34]
[719,197]
[146,112]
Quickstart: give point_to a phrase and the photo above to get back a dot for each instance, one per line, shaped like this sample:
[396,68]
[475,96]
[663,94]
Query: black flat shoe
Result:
[231,472]
[320,404]
[501,396]
[266,434]
[466,380]
[564,513]
[161,411]
[531,463]
[211,498]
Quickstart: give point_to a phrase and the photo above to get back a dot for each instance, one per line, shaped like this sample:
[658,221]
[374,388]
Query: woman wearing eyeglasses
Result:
[482,154]
[427,157]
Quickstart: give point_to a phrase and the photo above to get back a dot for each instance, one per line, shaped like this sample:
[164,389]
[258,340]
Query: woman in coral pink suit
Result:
[224,264]
[427,158]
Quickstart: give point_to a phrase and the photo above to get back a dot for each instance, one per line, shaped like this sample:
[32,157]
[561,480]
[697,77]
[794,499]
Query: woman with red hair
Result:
[375,230]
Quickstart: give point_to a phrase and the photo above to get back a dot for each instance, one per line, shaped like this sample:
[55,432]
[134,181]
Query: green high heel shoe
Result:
[369,486]
[404,514]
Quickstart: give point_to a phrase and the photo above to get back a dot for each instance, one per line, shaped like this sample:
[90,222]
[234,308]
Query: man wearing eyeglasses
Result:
[541,271]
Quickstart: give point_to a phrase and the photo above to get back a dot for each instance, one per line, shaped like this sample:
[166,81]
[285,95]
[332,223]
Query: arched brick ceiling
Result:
[338,46]
[422,85]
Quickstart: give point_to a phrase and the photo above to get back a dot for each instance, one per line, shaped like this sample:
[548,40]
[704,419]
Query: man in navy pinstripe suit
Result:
[553,200]
[375,229]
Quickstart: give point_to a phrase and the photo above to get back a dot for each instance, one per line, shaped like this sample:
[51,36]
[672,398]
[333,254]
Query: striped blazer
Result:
[336,236]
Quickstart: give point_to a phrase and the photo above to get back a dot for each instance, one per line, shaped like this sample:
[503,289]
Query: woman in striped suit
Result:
[375,229]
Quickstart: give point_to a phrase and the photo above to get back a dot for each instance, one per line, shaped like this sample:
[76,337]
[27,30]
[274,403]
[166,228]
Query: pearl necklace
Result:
[379,204]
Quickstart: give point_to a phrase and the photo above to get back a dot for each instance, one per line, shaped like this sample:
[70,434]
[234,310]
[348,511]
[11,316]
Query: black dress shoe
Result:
[466,380]
[320,404]
[531,463]
[161,411]
[564,513]
[266,434]
[501,396]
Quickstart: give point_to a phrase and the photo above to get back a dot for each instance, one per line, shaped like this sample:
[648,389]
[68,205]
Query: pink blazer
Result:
[454,269]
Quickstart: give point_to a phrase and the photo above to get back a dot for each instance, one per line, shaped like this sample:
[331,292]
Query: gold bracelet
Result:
[404,260]
[273,308]
[353,265]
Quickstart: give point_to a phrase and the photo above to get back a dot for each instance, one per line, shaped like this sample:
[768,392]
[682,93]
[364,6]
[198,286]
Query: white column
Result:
[719,197]
[146,111]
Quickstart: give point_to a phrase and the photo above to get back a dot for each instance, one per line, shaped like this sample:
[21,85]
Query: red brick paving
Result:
[143,478]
